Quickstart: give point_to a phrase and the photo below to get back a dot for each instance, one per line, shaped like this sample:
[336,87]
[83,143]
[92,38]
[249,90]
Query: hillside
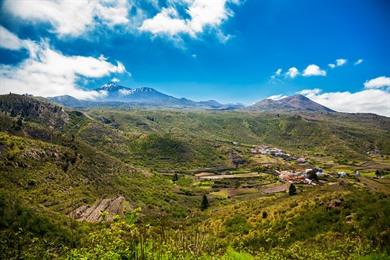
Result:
[117,183]
[291,103]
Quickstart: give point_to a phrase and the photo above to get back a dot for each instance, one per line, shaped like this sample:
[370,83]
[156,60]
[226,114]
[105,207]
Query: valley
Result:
[168,183]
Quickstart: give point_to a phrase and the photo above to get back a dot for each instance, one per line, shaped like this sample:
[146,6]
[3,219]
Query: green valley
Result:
[169,183]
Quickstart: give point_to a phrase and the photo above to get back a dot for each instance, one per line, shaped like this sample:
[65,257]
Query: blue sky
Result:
[334,52]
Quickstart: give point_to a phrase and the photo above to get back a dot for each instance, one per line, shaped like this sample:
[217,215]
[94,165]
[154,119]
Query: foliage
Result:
[292,190]
[53,161]
[205,202]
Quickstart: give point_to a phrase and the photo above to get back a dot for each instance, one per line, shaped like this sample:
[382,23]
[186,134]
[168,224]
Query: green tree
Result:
[292,190]
[205,203]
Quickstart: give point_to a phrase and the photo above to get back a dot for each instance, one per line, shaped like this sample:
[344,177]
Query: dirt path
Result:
[277,188]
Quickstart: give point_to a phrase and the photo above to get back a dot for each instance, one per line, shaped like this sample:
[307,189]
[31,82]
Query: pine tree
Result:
[205,203]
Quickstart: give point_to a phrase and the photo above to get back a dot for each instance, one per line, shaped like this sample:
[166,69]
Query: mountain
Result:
[291,103]
[152,168]
[35,109]
[114,95]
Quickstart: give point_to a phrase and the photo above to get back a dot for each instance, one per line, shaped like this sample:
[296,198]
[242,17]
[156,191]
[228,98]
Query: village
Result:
[270,177]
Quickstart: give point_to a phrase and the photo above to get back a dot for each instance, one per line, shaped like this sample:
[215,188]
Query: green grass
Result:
[50,167]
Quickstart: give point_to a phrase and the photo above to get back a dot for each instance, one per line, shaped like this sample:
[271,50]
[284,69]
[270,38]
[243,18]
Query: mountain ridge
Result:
[291,103]
[114,95]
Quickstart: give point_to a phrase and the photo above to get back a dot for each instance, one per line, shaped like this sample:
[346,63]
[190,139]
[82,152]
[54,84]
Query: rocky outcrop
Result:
[102,210]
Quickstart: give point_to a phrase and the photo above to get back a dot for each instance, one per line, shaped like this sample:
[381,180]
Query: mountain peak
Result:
[111,87]
[291,103]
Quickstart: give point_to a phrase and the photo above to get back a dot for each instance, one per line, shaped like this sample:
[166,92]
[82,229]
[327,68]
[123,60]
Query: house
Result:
[317,171]
[266,150]
[292,177]
[341,175]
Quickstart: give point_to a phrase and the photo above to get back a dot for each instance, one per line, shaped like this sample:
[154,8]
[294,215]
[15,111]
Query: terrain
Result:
[120,182]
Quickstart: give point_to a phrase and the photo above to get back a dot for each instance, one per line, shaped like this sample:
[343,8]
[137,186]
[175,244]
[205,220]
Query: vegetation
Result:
[292,190]
[170,166]
[205,202]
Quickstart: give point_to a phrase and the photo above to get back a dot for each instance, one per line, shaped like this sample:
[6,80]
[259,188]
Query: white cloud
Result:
[292,72]
[115,80]
[358,62]
[202,14]
[310,92]
[313,70]
[47,72]
[341,62]
[125,92]
[277,73]
[71,18]
[276,97]
[366,101]
[165,22]
[379,82]
[9,40]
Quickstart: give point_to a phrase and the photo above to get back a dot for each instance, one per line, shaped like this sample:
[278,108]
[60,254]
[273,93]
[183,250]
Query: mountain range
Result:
[114,95]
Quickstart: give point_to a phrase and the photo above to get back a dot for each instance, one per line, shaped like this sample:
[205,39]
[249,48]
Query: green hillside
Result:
[56,164]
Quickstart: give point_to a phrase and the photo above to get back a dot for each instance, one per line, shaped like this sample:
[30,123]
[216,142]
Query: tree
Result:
[18,125]
[175,177]
[292,190]
[205,203]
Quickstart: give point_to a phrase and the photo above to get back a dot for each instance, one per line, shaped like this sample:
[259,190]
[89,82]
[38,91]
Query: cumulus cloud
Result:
[292,72]
[202,14]
[358,62]
[379,82]
[339,62]
[165,22]
[366,101]
[71,18]
[313,70]
[47,72]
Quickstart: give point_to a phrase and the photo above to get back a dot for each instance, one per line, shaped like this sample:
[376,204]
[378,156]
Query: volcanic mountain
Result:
[116,95]
[291,103]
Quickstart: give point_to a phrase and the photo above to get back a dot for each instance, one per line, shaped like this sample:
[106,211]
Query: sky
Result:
[334,52]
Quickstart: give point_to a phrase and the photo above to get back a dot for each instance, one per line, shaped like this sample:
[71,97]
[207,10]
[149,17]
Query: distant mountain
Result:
[291,103]
[115,95]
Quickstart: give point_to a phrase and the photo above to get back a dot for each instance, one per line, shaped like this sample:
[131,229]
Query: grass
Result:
[49,168]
